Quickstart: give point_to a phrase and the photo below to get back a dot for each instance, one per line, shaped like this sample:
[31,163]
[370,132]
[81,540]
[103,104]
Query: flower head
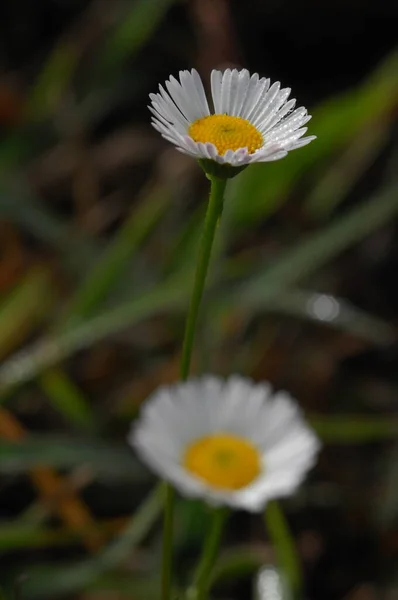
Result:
[251,120]
[229,442]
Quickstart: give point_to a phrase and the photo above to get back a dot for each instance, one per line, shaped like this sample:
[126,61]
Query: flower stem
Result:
[167,543]
[213,214]
[200,585]
[214,210]
[283,542]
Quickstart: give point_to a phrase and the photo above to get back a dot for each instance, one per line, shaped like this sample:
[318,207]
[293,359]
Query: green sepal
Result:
[214,169]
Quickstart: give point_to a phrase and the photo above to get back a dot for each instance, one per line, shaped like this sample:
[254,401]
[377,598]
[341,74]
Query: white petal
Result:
[265,103]
[302,142]
[297,119]
[193,87]
[271,157]
[264,115]
[216,80]
[257,89]
[182,97]
[225,91]
[242,86]
[278,116]
[167,109]
[200,92]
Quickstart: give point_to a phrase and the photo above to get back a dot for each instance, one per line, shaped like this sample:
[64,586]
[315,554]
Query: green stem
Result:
[283,542]
[214,210]
[213,214]
[167,544]
[201,583]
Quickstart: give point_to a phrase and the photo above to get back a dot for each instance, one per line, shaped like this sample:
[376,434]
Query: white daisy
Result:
[251,120]
[229,442]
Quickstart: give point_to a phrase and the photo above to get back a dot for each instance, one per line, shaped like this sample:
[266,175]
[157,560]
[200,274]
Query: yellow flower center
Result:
[223,460]
[226,133]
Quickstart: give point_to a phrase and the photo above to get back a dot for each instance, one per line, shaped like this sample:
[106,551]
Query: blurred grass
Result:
[23,535]
[303,260]
[285,549]
[103,458]
[68,399]
[25,308]
[135,27]
[52,488]
[45,581]
[19,206]
[348,429]
[320,247]
[116,258]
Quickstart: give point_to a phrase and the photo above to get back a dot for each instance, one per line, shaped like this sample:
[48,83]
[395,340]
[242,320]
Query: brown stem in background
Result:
[55,491]
[217,39]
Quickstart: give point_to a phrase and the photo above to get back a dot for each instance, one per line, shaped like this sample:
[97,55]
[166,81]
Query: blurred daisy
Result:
[251,120]
[229,442]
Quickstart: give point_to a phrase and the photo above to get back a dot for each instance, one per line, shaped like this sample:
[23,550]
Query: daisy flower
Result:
[230,442]
[250,120]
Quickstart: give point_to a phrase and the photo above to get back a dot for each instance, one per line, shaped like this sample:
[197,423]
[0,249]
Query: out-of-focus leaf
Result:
[67,398]
[354,429]
[284,544]
[114,585]
[49,484]
[53,80]
[132,31]
[18,534]
[328,310]
[19,207]
[333,187]
[109,461]
[137,587]
[189,519]
[186,243]
[259,190]
[50,352]
[237,562]
[294,265]
[73,577]
[24,308]
[319,248]
[116,257]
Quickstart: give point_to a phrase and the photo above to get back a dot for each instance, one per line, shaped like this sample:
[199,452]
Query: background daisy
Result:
[229,442]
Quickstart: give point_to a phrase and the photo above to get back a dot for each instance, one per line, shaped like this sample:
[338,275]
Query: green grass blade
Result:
[75,577]
[354,429]
[112,461]
[132,31]
[116,258]
[49,352]
[284,544]
[334,186]
[24,308]
[53,80]
[67,399]
[312,253]
[18,206]
[323,309]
